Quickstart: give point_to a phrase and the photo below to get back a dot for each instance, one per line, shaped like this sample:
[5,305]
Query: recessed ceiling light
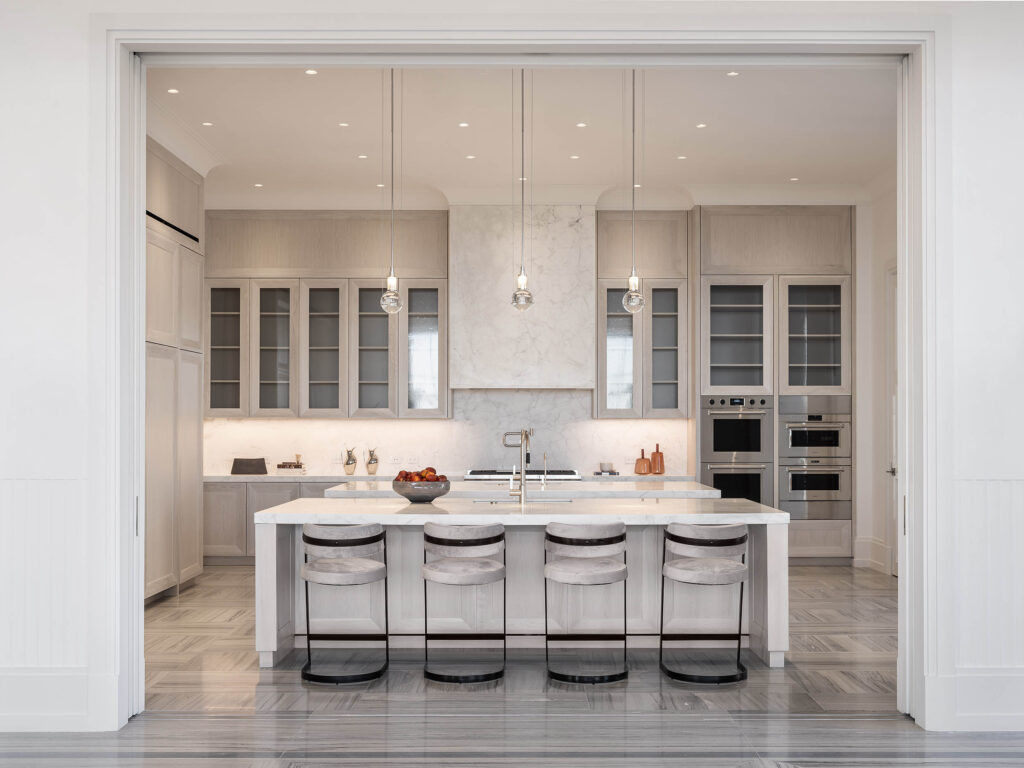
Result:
[794,178]
[521,178]
[581,125]
[310,71]
[702,125]
[463,125]
[471,157]
[361,157]
[257,185]
[380,186]
[636,186]
[343,125]
[732,74]
[207,124]
[680,157]
[172,90]
[574,157]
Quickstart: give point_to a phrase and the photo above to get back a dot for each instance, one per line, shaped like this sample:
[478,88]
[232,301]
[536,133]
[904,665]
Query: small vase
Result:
[372,462]
[350,461]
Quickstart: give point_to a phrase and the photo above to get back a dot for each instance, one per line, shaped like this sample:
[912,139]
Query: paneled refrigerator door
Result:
[620,392]
[815,329]
[274,342]
[323,348]
[736,335]
[227,347]
[423,349]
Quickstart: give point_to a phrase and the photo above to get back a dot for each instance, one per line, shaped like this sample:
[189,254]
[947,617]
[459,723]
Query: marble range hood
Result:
[492,345]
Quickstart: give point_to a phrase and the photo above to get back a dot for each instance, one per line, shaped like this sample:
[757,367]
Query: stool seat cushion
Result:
[464,571]
[705,570]
[343,572]
[579,570]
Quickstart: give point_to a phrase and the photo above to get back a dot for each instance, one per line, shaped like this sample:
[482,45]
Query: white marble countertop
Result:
[273,477]
[497,490]
[398,511]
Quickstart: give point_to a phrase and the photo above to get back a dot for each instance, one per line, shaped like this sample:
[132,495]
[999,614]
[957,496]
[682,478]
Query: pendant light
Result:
[633,300]
[522,299]
[391,300]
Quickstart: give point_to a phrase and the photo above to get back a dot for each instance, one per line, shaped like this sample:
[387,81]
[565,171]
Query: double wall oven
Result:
[736,447]
[815,457]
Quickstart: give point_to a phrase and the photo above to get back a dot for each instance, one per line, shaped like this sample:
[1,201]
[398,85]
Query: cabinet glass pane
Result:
[323,395]
[423,358]
[737,294]
[811,350]
[275,300]
[323,365]
[665,395]
[736,342]
[423,301]
[373,395]
[274,331]
[323,331]
[226,300]
[815,294]
[619,353]
[225,364]
[665,365]
[736,376]
[737,320]
[369,301]
[736,351]
[815,321]
[323,301]
[373,366]
[224,395]
[664,301]
[225,330]
[824,376]
[373,331]
[273,365]
[815,342]
[273,395]
[665,331]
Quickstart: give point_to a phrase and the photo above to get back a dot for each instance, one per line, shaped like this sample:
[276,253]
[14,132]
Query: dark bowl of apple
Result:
[421,487]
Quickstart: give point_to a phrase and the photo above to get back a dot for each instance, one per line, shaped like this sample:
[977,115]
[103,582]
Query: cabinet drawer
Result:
[821,538]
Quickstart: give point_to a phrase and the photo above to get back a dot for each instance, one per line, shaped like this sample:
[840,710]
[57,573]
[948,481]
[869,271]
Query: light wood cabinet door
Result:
[620,357]
[737,349]
[821,538]
[260,496]
[189,492]
[190,300]
[373,353]
[161,289]
[759,239]
[815,335]
[665,339]
[661,244]
[224,528]
[314,490]
[227,347]
[161,476]
[174,192]
[423,350]
[323,348]
[274,347]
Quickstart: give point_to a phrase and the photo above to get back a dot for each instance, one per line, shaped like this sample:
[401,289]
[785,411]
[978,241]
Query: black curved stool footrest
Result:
[564,677]
[360,677]
[482,677]
[686,677]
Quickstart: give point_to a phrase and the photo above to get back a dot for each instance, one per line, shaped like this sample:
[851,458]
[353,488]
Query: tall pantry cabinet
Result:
[175,366]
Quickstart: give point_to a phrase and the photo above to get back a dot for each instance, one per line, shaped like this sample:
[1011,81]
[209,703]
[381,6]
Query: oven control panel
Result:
[738,402]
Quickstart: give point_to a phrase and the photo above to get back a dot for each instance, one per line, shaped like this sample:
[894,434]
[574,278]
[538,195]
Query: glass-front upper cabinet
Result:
[814,335]
[736,335]
[274,341]
[227,347]
[423,349]
[323,340]
[665,347]
[619,355]
[373,352]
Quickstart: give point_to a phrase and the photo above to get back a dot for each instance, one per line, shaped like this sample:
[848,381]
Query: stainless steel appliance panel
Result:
[815,480]
[818,510]
[740,481]
[736,429]
[801,438]
[838,405]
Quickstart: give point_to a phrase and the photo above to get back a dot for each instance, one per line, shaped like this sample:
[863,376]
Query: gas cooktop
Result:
[531,474]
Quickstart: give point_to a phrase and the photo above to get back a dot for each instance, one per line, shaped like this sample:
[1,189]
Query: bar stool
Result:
[585,556]
[706,552]
[339,556]
[463,558]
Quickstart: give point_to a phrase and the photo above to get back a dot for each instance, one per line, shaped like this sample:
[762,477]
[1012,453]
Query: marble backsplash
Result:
[562,420]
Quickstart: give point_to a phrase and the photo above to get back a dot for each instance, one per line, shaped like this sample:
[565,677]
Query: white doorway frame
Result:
[122,221]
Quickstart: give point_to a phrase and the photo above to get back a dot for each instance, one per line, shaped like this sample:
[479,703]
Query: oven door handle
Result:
[756,412]
[817,425]
[832,470]
[737,466]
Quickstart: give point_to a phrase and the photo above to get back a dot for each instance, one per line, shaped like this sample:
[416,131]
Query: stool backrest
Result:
[706,540]
[340,541]
[463,540]
[591,540]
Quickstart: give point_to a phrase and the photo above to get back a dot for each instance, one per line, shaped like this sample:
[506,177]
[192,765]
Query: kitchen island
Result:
[558,490]
[280,609]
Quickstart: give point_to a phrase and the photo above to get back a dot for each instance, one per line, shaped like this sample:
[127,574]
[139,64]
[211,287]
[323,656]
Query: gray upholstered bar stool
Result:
[585,555]
[341,556]
[705,556]
[463,556]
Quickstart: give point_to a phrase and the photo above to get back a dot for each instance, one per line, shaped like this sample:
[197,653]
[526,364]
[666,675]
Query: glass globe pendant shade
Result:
[391,300]
[632,300]
[522,299]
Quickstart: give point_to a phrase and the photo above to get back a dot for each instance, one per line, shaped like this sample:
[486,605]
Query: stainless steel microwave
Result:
[815,480]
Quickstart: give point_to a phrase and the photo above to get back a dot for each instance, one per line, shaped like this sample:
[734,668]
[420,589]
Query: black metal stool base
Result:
[686,677]
[479,677]
[361,677]
[564,677]
[483,677]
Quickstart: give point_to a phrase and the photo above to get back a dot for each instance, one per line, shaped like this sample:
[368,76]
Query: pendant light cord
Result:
[522,170]
[632,157]
[392,171]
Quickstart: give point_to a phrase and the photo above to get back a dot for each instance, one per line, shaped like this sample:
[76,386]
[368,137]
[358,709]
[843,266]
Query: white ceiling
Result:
[829,127]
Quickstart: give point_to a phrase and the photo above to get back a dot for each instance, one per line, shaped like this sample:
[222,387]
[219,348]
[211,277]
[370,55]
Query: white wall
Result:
[62,670]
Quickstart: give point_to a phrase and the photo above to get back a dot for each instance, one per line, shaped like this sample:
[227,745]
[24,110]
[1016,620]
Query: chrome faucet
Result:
[524,458]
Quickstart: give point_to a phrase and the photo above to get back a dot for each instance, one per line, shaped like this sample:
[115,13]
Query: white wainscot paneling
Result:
[550,345]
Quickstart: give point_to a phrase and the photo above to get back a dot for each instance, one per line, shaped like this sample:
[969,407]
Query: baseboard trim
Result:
[987,699]
[873,553]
